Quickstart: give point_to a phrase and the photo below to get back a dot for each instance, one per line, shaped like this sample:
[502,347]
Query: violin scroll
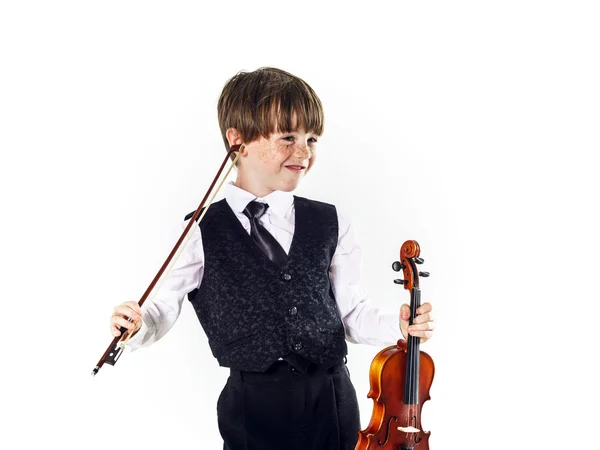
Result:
[409,258]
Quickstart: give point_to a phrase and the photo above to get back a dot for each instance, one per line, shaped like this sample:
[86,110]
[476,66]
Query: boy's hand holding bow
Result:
[423,324]
[122,314]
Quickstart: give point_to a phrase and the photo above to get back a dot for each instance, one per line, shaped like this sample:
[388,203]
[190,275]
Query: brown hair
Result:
[263,102]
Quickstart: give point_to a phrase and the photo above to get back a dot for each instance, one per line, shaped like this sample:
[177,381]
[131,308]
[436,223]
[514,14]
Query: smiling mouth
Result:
[296,168]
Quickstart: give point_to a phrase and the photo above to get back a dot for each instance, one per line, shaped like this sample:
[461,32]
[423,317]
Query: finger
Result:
[122,319]
[122,322]
[404,312]
[115,329]
[427,326]
[424,308]
[424,335]
[126,311]
[422,318]
[134,306]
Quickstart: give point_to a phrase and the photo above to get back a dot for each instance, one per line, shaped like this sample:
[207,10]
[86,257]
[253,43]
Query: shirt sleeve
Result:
[363,322]
[161,310]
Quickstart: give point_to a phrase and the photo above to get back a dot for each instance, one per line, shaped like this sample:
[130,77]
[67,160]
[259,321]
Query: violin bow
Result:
[116,347]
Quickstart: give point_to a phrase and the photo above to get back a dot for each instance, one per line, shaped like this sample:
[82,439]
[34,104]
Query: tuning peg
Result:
[424,274]
[399,281]
[397,266]
[419,260]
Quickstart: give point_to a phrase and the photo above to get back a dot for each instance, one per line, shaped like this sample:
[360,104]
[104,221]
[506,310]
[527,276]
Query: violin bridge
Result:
[409,429]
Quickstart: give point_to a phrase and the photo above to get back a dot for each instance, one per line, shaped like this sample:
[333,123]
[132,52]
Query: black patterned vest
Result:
[254,312]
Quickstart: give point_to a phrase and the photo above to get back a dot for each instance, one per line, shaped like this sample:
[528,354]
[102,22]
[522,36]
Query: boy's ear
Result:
[234,137]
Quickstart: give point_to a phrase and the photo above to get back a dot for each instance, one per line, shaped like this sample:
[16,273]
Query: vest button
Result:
[286,277]
[293,311]
[298,346]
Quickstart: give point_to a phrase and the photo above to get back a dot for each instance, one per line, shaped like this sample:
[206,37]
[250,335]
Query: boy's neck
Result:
[254,189]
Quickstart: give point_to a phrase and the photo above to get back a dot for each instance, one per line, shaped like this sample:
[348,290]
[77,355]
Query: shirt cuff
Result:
[390,328]
[137,340]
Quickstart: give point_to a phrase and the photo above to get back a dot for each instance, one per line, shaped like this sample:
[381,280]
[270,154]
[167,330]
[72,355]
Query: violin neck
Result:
[411,382]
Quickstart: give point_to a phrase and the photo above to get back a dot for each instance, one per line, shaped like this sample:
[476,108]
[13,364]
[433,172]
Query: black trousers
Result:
[284,409]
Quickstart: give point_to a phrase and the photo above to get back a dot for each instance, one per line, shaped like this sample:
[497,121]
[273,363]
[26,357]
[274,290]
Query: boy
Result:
[274,281]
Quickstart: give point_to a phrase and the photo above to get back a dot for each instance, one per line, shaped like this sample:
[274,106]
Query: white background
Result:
[469,126]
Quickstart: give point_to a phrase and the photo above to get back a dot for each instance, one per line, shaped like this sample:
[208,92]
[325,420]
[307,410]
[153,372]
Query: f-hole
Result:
[387,431]
[413,421]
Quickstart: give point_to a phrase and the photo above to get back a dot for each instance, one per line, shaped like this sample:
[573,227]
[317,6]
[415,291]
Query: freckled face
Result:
[277,163]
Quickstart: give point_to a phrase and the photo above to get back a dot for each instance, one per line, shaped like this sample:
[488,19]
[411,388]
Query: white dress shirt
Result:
[363,322]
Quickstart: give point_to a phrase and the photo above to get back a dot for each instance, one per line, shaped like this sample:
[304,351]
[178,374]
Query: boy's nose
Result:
[303,151]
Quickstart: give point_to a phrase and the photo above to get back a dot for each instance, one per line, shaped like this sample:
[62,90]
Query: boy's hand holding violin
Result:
[423,324]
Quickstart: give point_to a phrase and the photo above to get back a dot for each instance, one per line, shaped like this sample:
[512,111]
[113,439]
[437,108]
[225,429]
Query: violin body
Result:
[400,376]
[387,375]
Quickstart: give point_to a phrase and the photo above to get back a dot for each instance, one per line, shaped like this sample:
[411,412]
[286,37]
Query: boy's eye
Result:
[291,138]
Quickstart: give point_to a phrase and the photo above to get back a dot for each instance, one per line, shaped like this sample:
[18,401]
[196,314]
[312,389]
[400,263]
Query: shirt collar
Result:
[279,201]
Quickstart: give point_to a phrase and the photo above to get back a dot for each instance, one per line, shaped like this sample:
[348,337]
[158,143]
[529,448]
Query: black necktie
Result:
[261,237]
[270,247]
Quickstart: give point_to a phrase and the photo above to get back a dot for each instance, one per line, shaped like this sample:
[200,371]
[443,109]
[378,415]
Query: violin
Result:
[400,376]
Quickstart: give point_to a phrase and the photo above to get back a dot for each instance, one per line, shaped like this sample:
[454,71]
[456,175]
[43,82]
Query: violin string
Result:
[409,369]
[416,360]
[412,366]
[407,379]
[156,288]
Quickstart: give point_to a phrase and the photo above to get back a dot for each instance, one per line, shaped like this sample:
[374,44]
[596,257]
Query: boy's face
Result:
[276,163]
